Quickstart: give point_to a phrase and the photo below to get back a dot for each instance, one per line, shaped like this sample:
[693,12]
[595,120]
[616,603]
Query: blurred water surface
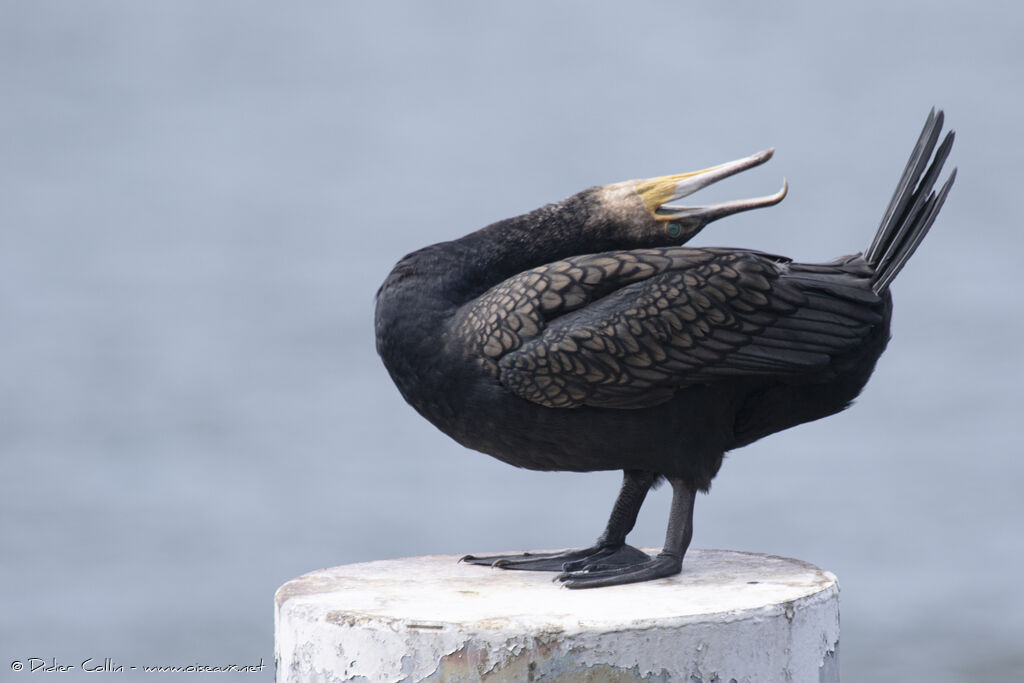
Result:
[198,201]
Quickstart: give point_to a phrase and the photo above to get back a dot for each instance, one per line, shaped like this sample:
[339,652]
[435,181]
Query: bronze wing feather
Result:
[629,329]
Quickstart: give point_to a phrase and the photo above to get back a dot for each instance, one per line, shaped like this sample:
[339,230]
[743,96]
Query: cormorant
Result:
[581,336]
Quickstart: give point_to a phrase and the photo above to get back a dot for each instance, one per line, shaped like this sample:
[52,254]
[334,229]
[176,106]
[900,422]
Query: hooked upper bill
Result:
[658,192]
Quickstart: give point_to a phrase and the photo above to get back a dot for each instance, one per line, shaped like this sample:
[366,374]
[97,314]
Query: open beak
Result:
[658,192]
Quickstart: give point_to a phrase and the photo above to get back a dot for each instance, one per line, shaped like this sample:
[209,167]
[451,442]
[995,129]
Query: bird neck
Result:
[423,292]
[497,252]
[429,285]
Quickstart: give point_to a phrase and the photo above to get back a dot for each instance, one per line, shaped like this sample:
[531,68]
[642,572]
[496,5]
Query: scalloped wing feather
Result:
[628,329]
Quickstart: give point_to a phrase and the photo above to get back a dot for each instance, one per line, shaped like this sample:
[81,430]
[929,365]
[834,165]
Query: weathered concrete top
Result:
[437,589]
[728,612]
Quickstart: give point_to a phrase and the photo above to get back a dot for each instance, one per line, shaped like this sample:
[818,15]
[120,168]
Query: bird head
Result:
[645,206]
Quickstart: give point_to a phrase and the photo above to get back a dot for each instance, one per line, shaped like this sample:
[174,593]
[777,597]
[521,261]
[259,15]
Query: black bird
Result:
[582,337]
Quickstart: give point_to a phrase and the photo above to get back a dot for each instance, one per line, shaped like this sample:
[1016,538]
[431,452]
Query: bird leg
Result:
[666,563]
[609,552]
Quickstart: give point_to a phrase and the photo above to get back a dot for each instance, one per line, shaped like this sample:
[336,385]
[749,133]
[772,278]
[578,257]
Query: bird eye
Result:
[673,229]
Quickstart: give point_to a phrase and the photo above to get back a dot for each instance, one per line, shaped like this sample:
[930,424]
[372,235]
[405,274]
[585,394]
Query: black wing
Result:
[628,329]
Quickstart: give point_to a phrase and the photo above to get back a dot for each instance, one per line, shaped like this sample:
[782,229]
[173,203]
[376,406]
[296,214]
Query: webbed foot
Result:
[594,558]
[656,567]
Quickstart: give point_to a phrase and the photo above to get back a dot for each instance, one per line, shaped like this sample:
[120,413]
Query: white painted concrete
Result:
[728,616]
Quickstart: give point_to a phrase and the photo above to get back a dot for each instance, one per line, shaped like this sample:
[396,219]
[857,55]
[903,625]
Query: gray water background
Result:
[198,201]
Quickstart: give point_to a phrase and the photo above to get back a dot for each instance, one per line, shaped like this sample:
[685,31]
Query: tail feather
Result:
[913,207]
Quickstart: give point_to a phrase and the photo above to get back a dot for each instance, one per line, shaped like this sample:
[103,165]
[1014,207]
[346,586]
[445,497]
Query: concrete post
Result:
[730,616]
